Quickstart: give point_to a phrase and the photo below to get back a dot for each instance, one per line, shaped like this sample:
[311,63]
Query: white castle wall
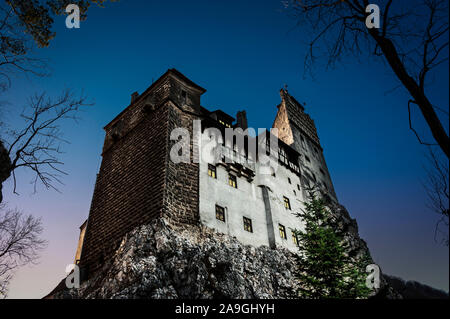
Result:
[247,200]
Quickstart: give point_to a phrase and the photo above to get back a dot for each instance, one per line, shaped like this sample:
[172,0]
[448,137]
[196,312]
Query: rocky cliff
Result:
[158,260]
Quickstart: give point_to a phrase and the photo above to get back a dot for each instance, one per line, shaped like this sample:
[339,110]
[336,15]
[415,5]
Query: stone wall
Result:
[129,187]
[137,181]
[181,201]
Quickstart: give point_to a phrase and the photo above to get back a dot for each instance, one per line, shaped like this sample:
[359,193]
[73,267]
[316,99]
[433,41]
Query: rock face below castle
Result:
[158,260]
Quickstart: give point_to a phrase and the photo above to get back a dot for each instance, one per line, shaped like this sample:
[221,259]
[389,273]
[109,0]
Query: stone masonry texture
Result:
[137,182]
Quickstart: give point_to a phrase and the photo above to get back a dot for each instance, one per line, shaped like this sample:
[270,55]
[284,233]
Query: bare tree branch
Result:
[413,39]
[37,146]
[412,128]
[20,243]
[25,25]
[15,50]
[437,188]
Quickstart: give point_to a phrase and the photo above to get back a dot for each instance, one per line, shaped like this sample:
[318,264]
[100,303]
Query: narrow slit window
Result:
[232,181]
[267,147]
[220,213]
[248,225]
[294,238]
[287,203]
[282,230]
[212,171]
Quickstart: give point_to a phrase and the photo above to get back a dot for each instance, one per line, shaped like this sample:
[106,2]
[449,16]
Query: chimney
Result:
[241,118]
[134,96]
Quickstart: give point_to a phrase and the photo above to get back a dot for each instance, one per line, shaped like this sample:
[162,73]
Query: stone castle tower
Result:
[298,130]
[138,182]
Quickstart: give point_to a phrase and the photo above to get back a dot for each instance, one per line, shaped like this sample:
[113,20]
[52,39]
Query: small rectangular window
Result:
[220,213]
[225,123]
[232,181]
[212,171]
[248,225]
[298,186]
[289,180]
[282,230]
[282,156]
[267,147]
[287,203]
[294,238]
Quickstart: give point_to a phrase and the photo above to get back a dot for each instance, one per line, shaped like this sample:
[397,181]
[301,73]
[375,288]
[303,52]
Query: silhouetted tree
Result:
[437,188]
[37,144]
[20,243]
[24,24]
[413,39]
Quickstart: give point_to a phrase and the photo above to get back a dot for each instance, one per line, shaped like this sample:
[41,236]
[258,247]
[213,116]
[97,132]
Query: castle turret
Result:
[297,129]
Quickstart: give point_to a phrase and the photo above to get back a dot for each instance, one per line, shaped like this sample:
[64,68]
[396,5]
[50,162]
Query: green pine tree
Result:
[324,269]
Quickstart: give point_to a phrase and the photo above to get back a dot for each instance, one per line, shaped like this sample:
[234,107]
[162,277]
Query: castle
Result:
[138,181]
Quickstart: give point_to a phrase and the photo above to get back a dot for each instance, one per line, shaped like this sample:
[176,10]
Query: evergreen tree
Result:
[324,269]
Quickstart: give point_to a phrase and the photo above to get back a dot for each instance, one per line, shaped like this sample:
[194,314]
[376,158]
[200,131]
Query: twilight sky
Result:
[242,52]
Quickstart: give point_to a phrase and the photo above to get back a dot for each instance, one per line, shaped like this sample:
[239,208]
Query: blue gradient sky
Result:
[242,53]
